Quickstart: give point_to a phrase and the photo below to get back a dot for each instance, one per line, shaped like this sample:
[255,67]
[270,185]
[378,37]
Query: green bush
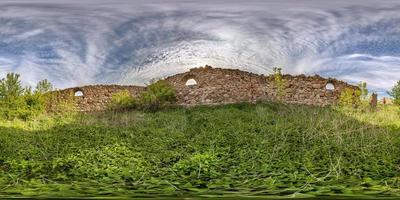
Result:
[58,103]
[122,101]
[157,96]
[17,102]
[350,98]
[395,93]
[279,83]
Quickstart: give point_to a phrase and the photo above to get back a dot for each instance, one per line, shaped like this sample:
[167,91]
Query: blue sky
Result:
[132,41]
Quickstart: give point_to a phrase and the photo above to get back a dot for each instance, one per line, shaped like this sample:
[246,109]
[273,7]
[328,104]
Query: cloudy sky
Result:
[132,41]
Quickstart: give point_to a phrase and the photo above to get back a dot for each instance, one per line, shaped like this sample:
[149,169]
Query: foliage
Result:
[22,103]
[10,87]
[395,93]
[157,95]
[350,98]
[363,90]
[60,104]
[44,86]
[280,83]
[255,150]
[122,100]
[12,102]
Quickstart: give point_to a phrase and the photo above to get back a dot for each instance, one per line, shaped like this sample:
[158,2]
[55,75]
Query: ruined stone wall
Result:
[96,97]
[223,86]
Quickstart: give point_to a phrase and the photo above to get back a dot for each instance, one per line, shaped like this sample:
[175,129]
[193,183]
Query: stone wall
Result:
[96,97]
[222,86]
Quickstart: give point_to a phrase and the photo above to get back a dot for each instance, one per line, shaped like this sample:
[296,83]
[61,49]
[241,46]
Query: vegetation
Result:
[363,90]
[122,101]
[254,150]
[19,102]
[280,83]
[263,149]
[157,95]
[350,98]
[395,93]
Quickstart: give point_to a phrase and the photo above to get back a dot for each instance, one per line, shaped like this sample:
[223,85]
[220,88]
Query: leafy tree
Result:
[395,93]
[44,86]
[364,90]
[11,87]
[19,102]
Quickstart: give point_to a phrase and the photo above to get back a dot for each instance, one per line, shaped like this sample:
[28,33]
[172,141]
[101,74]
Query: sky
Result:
[74,43]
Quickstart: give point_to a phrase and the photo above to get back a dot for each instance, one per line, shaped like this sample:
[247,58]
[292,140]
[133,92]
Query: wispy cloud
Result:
[130,42]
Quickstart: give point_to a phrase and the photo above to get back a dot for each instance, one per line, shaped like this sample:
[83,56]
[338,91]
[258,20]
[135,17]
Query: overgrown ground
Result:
[234,150]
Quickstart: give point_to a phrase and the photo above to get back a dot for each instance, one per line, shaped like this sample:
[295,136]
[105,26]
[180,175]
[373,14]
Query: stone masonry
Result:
[211,86]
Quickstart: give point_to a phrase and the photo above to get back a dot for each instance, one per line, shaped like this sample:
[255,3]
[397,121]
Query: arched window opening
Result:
[191,82]
[78,93]
[330,87]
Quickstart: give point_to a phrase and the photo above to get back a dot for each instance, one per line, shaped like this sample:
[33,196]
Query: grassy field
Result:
[265,149]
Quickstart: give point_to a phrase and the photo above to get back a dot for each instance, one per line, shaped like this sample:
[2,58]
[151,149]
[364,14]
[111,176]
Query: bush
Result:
[350,98]
[122,101]
[157,96]
[279,83]
[395,93]
[59,104]
[19,102]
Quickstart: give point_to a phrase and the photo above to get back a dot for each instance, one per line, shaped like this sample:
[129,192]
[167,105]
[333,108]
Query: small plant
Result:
[279,83]
[157,95]
[122,101]
[395,93]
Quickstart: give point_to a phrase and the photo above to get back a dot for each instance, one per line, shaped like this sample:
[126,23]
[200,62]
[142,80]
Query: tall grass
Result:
[240,149]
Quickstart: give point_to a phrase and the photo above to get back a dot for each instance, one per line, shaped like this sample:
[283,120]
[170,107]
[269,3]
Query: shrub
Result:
[279,83]
[122,100]
[59,104]
[157,96]
[350,98]
[395,93]
[19,102]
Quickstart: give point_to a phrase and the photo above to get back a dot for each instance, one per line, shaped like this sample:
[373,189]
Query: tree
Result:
[44,86]
[364,90]
[19,102]
[11,87]
[395,93]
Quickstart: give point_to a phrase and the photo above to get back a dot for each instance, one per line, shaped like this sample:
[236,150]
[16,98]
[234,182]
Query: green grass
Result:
[242,150]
